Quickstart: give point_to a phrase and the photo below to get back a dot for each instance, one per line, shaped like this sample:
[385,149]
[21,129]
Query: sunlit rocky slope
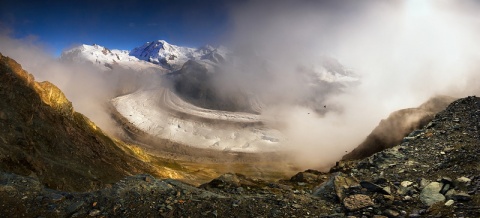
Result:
[41,136]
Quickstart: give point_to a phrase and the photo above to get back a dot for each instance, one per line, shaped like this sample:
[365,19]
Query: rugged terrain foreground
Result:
[55,163]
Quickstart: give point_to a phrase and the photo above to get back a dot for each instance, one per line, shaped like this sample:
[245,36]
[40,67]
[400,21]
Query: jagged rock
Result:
[406,183]
[445,188]
[462,182]
[356,202]
[74,207]
[94,212]
[387,190]
[446,180]
[374,188]
[391,213]
[424,183]
[325,189]
[449,193]
[341,183]
[388,198]
[334,215]
[148,178]
[404,188]
[461,196]
[337,183]
[308,176]
[447,184]
[449,203]
[431,194]
[414,215]
[463,179]
[56,197]
[226,179]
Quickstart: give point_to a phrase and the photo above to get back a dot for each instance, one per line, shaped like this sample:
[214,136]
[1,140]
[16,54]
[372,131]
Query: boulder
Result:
[341,183]
[375,188]
[431,194]
[357,202]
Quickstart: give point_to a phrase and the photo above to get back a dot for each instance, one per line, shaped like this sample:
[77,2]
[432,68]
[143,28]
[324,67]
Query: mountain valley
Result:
[187,146]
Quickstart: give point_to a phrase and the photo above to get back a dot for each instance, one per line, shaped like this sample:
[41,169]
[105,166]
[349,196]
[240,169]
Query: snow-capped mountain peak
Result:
[173,57]
[163,53]
[103,57]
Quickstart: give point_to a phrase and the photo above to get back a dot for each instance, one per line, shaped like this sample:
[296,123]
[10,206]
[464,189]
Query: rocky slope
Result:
[42,137]
[399,124]
[436,173]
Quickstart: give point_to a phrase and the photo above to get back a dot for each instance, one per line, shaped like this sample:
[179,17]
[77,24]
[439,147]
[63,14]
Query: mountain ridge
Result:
[104,58]
[158,53]
[43,137]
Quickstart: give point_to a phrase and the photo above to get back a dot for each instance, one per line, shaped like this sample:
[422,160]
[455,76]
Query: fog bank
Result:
[404,52]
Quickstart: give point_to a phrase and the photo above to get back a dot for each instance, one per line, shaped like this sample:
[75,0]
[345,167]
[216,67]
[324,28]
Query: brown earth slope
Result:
[42,136]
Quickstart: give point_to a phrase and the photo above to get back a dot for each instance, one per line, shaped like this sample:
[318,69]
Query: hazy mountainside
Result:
[229,87]
[216,78]
[41,136]
[197,84]
[435,174]
[212,98]
[391,131]
[114,72]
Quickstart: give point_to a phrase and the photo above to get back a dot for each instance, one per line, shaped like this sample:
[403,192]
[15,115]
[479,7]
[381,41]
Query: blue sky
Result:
[116,24]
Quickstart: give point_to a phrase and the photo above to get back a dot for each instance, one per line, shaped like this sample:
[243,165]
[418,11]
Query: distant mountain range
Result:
[162,55]
[151,54]
[164,89]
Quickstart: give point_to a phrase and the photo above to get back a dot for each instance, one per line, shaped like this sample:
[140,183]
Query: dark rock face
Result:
[257,85]
[192,81]
[399,124]
[42,136]
[199,86]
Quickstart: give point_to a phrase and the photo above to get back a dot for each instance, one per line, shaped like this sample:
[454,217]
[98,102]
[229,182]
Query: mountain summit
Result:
[172,56]
[161,52]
